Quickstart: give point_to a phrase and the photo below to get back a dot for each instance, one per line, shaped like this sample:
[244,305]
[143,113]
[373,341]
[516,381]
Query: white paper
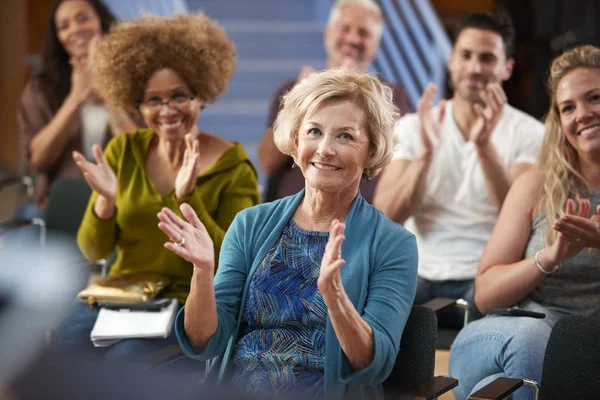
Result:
[112,324]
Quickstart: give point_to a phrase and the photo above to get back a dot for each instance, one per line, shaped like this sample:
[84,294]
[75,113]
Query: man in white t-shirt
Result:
[454,163]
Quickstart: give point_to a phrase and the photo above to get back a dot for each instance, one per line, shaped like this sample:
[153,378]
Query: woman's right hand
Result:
[567,243]
[81,79]
[188,239]
[99,175]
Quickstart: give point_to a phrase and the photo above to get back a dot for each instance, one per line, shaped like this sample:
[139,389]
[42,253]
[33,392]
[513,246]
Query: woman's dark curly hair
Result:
[55,74]
[194,46]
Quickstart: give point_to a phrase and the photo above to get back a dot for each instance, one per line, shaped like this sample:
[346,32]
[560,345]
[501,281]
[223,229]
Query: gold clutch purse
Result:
[133,288]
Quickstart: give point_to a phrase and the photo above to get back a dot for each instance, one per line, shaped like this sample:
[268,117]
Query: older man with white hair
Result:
[351,40]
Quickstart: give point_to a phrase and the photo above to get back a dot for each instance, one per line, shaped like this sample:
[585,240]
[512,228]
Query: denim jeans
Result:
[499,346]
[428,290]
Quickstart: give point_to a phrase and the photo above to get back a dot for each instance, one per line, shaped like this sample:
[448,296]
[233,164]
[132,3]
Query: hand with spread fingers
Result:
[99,175]
[578,230]
[188,239]
[489,113]
[330,279]
[430,124]
[186,178]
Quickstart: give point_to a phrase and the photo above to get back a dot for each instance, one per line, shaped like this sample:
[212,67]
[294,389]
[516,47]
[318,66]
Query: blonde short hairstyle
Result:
[336,10]
[331,86]
[194,46]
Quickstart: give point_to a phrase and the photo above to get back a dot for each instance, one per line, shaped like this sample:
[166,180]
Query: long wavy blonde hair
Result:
[557,158]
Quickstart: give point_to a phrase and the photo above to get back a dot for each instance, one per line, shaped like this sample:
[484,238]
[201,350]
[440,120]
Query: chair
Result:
[447,333]
[412,375]
[571,367]
[66,206]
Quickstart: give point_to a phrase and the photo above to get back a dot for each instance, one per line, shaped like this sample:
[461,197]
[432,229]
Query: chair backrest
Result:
[572,360]
[416,359]
[66,205]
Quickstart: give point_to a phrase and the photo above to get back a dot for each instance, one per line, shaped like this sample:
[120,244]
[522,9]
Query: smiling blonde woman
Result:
[313,290]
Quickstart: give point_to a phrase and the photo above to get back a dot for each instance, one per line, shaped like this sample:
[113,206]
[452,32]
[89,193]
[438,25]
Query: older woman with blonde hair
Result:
[165,69]
[313,290]
[543,254]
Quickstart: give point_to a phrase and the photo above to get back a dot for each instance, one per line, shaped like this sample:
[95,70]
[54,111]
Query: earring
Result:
[294,165]
[368,173]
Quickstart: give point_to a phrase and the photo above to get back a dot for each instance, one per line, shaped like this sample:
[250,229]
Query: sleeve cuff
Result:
[376,372]
[210,351]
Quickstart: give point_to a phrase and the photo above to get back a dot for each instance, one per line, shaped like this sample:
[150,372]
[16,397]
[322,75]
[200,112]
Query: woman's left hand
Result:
[185,181]
[189,240]
[330,278]
[583,230]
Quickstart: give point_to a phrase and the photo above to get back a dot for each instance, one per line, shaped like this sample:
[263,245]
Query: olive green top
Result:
[228,187]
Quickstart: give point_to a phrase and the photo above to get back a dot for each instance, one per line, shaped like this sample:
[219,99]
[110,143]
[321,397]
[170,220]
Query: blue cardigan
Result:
[379,277]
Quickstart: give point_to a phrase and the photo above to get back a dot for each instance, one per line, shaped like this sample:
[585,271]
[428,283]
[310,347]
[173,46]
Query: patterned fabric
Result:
[282,349]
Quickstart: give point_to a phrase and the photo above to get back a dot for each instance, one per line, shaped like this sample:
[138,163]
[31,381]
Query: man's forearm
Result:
[497,177]
[400,192]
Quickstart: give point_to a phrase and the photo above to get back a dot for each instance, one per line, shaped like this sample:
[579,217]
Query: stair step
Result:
[254,9]
[260,80]
[273,27]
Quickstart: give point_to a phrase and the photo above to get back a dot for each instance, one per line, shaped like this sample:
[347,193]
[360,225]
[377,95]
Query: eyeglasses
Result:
[179,101]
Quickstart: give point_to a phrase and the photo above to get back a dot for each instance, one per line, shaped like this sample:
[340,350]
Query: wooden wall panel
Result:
[13,42]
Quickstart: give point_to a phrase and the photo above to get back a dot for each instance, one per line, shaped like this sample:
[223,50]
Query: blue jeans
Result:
[499,346]
[73,337]
[428,290]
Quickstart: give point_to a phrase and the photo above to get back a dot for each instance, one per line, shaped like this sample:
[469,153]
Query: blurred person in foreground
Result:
[313,291]
[351,40]
[166,69]
[543,254]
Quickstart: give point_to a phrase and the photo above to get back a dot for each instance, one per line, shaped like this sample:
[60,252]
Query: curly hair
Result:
[55,74]
[556,157]
[194,46]
[333,85]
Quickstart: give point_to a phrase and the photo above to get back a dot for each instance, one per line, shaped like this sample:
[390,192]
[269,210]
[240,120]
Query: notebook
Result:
[112,326]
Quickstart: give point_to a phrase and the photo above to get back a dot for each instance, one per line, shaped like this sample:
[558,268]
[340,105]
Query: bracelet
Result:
[539,266]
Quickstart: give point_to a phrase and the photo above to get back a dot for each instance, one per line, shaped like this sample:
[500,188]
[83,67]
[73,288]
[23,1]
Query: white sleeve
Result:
[406,137]
[529,137]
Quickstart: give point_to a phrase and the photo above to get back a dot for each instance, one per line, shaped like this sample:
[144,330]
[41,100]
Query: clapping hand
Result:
[489,113]
[186,178]
[188,239]
[81,79]
[330,278]
[578,231]
[99,175]
[430,125]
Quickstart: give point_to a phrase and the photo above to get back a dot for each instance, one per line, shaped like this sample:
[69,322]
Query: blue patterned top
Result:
[282,345]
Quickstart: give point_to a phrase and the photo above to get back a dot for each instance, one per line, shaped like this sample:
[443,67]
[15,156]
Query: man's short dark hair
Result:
[499,23]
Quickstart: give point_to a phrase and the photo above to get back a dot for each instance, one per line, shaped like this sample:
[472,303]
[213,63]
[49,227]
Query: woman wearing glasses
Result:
[166,69]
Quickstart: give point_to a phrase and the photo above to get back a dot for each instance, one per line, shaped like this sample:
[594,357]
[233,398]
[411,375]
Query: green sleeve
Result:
[240,194]
[97,237]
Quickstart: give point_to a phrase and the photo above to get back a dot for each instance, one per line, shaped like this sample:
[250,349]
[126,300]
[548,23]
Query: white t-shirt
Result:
[94,120]
[456,217]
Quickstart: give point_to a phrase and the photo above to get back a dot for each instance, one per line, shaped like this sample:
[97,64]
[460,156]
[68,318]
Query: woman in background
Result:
[165,69]
[543,253]
[59,112]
